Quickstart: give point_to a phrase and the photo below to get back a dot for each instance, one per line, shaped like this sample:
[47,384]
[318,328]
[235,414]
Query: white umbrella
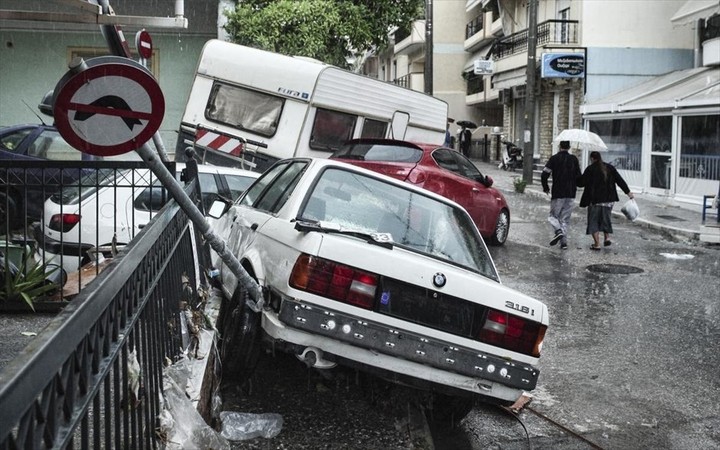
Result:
[583,139]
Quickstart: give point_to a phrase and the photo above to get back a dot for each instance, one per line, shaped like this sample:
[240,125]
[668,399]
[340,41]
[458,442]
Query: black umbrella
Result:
[466,124]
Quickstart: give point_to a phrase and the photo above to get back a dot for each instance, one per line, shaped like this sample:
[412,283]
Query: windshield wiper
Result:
[381,239]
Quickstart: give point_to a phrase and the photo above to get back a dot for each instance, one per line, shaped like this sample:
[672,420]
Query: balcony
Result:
[549,33]
[414,81]
[481,30]
[408,42]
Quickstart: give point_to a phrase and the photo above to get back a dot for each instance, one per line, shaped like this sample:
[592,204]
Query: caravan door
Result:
[399,125]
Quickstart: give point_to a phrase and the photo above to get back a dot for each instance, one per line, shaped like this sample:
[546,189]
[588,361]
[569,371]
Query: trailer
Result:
[250,108]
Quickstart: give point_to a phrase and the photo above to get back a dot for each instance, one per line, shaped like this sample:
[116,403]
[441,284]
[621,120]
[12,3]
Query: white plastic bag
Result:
[630,209]
[242,426]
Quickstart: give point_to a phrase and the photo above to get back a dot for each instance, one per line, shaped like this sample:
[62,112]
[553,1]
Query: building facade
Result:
[587,51]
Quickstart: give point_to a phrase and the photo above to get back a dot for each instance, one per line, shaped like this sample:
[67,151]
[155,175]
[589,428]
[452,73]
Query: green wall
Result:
[33,63]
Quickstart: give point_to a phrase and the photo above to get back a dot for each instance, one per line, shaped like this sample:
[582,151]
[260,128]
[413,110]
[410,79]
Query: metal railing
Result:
[550,32]
[93,377]
[26,186]
[474,26]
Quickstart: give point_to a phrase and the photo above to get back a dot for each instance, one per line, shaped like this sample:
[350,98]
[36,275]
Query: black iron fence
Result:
[93,377]
[68,218]
[550,32]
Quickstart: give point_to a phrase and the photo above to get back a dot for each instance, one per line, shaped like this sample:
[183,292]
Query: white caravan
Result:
[250,108]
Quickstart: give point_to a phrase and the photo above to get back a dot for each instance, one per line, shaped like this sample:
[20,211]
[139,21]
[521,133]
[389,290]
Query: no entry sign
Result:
[143,42]
[109,106]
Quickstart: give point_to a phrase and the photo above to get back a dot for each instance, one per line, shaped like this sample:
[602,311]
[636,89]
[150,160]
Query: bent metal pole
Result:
[217,243]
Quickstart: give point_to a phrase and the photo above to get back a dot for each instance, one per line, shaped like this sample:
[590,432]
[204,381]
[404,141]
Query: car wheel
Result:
[502,228]
[239,328]
[8,214]
[448,409]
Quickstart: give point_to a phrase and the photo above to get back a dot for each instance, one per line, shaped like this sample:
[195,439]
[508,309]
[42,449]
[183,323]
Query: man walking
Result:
[565,170]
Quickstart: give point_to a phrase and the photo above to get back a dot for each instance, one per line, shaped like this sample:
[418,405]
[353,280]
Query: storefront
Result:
[664,135]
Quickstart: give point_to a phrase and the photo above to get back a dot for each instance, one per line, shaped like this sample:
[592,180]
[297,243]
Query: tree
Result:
[332,31]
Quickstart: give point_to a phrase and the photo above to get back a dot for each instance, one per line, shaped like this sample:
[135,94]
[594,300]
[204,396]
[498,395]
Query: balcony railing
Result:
[474,26]
[406,81]
[550,32]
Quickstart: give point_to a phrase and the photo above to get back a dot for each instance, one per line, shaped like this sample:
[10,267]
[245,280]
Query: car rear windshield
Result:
[416,222]
[365,151]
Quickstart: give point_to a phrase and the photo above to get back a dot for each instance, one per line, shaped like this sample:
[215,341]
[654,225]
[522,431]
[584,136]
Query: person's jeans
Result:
[560,211]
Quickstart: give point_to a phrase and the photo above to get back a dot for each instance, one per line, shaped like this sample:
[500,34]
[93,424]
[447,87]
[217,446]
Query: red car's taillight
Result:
[336,281]
[512,333]
[64,222]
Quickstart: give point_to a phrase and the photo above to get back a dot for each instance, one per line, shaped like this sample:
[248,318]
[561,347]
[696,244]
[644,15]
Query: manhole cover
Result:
[672,218]
[614,268]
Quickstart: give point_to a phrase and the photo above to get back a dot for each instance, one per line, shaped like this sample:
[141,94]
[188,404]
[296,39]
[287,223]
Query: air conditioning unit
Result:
[505,96]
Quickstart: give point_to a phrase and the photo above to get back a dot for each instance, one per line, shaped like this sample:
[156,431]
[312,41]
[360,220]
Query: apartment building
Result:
[588,52]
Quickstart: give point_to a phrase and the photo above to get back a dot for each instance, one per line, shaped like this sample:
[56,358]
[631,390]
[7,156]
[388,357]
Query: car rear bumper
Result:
[381,347]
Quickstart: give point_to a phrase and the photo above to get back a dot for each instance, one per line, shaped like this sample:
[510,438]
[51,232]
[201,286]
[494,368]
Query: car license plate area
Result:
[406,345]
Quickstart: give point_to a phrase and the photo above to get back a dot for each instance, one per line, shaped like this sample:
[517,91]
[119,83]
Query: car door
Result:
[451,180]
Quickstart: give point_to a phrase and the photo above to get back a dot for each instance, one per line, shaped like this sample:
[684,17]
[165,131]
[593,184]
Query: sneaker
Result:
[563,246]
[558,236]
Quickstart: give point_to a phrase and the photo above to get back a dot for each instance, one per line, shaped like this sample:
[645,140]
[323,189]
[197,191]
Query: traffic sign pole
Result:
[217,243]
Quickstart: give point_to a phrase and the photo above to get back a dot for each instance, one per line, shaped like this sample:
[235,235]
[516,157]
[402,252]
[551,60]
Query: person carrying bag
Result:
[600,181]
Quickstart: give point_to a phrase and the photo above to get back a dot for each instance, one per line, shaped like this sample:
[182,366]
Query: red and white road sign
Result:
[111,107]
[143,43]
[218,141]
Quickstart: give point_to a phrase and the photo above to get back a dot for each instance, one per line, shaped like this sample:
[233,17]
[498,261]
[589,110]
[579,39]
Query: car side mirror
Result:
[217,209]
[488,181]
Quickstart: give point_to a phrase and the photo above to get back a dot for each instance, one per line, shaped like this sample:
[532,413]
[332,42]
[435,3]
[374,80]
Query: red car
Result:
[438,169]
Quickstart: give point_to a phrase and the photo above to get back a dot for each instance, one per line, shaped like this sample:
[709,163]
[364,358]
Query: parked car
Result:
[23,190]
[369,272]
[438,169]
[76,220]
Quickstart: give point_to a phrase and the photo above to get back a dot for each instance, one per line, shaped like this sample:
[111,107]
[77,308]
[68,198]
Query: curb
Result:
[690,234]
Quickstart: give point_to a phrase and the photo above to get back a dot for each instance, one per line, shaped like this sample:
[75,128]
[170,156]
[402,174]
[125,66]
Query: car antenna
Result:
[36,114]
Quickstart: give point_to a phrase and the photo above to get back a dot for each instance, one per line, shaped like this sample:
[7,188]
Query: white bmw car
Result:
[365,271]
[77,219]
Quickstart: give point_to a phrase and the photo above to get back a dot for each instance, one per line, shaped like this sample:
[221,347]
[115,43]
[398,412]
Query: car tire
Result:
[239,344]
[448,409]
[502,228]
[8,214]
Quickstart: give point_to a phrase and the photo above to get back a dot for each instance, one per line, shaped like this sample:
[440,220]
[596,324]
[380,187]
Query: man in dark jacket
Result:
[565,170]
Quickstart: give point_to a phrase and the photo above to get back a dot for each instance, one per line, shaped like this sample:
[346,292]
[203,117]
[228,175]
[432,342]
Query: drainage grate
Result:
[672,218]
[614,268]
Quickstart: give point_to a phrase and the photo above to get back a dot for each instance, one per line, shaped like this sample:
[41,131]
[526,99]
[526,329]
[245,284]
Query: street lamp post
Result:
[528,138]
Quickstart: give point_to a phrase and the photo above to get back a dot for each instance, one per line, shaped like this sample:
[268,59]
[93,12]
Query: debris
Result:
[243,426]
[677,256]
[521,402]
[28,333]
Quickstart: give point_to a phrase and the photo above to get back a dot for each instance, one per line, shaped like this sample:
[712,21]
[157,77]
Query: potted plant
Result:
[519,184]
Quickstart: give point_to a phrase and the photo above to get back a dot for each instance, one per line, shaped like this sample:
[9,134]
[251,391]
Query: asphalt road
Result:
[629,360]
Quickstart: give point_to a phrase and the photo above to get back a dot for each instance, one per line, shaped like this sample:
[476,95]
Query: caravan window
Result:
[242,108]
[331,129]
[373,129]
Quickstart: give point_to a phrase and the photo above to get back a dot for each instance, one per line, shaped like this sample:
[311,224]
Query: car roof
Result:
[326,162]
[396,142]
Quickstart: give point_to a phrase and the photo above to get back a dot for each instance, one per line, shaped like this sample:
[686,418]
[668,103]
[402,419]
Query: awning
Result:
[510,78]
[691,88]
[693,10]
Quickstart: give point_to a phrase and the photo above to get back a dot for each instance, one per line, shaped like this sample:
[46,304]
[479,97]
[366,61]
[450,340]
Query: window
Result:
[238,184]
[256,190]
[623,138]
[699,148]
[52,146]
[277,193]
[446,160]
[373,129]
[331,129]
[11,142]
[244,109]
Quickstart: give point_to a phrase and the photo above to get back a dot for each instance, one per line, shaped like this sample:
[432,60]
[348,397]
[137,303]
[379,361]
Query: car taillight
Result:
[512,333]
[336,281]
[64,222]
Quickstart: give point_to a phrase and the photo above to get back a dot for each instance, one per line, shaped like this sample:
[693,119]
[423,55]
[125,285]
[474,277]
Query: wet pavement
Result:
[679,219]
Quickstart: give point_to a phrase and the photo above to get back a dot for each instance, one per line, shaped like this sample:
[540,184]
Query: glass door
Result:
[661,161]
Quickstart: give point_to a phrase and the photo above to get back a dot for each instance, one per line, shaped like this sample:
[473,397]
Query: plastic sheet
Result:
[181,426]
[243,426]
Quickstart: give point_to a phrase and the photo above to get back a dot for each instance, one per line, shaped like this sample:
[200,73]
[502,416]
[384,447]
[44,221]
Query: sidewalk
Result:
[683,220]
